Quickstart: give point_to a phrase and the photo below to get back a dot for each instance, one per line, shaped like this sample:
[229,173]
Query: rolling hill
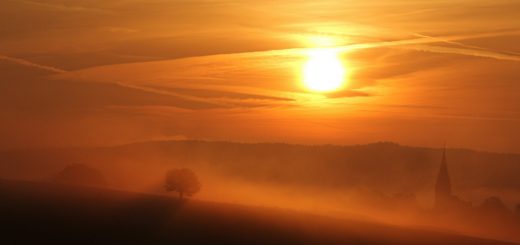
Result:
[385,167]
[45,213]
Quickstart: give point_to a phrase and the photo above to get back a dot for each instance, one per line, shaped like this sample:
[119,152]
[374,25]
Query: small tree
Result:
[183,180]
[494,205]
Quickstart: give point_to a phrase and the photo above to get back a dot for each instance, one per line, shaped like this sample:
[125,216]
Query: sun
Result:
[324,71]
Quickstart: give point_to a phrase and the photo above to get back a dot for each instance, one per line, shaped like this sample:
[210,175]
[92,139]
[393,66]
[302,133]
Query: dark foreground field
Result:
[42,213]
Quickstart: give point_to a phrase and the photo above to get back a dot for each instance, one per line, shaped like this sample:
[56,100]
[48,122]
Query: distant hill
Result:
[46,213]
[385,167]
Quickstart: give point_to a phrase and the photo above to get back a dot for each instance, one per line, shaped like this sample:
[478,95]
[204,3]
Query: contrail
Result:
[423,40]
[31,64]
[467,52]
[414,43]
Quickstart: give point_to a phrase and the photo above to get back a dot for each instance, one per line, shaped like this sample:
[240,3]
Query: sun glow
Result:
[324,71]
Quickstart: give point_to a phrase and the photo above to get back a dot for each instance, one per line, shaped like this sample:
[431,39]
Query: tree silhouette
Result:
[494,205]
[183,180]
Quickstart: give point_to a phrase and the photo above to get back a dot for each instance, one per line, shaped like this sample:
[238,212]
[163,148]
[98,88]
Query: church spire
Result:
[443,184]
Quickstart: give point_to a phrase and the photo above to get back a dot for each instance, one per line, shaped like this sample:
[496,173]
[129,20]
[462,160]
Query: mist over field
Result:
[260,122]
[382,182]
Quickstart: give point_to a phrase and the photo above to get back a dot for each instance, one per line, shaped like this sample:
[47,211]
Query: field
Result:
[45,213]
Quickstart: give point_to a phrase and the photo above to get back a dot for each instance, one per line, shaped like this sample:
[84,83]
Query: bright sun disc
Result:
[324,71]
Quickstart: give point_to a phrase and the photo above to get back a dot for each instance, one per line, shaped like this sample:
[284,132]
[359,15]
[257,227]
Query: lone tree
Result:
[494,205]
[183,180]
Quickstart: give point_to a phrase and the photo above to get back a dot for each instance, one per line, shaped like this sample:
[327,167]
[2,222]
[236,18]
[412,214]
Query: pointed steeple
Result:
[443,185]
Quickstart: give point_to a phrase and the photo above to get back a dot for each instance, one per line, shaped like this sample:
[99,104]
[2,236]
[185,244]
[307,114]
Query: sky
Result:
[92,72]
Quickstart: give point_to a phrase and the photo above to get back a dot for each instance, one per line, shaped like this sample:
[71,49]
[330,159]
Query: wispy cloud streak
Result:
[32,64]
[63,7]
[412,43]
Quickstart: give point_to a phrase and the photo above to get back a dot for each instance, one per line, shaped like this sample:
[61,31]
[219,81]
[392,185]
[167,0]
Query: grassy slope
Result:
[43,213]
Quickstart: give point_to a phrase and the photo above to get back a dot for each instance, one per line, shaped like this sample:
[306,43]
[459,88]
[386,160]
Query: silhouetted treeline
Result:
[386,167]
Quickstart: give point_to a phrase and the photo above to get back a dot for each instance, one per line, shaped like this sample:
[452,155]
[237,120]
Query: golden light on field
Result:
[324,71]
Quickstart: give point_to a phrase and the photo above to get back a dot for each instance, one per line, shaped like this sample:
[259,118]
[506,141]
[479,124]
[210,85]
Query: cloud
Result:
[406,42]
[239,79]
[37,95]
[348,94]
[450,39]
[31,64]
[219,98]
[126,70]
[467,52]
[222,94]
[63,7]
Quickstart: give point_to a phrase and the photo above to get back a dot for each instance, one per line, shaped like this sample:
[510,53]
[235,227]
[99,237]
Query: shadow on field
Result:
[43,213]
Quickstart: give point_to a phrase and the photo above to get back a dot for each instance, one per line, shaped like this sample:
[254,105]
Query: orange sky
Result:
[106,72]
